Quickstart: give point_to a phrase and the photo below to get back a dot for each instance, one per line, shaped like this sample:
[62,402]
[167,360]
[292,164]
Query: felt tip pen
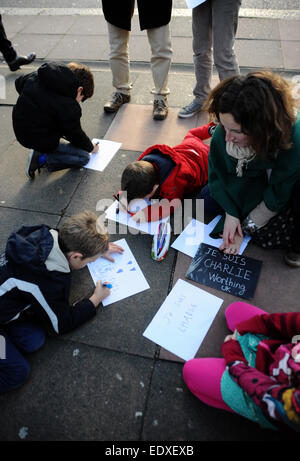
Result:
[116,197]
[107,285]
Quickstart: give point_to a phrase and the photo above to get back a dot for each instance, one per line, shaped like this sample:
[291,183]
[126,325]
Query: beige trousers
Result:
[159,40]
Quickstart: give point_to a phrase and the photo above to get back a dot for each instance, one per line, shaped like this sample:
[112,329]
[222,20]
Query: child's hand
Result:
[96,148]
[229,337]
[112,248]
[101,292]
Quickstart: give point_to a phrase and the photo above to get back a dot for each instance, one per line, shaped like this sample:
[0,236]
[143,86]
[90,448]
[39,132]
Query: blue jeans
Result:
[295,240]
[66,156]
[210,205]
[17,337]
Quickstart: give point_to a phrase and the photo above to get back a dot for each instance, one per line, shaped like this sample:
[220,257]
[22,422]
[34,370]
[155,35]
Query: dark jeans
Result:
[295,240]
[6,47]
[66,156]
[17,337]
[211,207]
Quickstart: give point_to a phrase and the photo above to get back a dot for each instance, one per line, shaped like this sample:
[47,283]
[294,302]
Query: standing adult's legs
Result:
[161,54]
[202,55]
[224,26]
[10,55]
[120,67]
[119,58]
[202,49]
[6,47]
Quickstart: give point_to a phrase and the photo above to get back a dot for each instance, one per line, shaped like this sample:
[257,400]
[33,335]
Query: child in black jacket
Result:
[47,110]
[35,279]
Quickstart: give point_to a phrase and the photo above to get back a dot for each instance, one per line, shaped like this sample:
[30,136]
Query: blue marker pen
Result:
[107,285]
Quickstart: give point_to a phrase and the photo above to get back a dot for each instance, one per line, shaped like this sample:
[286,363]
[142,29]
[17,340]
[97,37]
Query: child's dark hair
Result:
[83,233]
[138,179]
[84,78]
[262,103]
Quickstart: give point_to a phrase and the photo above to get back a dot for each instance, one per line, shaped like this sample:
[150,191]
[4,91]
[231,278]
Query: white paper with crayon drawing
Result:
[124,274]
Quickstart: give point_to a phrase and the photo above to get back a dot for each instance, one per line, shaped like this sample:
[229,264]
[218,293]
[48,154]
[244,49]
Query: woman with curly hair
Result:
[254,162]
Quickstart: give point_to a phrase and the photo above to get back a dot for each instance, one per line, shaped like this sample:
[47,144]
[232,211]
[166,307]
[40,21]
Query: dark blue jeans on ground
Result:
[66,156]
[15,338]
[295,240]
[211,207]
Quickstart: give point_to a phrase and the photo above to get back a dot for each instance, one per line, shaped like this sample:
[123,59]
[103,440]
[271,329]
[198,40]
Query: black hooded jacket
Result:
[47,110]
[35,275]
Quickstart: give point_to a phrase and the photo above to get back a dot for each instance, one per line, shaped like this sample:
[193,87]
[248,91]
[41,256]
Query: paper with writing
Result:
[181,323]
[107,150]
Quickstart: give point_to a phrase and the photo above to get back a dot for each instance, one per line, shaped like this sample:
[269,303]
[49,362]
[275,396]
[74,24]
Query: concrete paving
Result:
[105,381]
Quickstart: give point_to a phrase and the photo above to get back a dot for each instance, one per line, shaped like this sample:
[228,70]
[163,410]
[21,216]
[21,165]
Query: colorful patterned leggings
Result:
[203,376]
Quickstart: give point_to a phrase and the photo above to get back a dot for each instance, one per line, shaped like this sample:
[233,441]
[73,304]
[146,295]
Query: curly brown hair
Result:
[84,78]
[262,103]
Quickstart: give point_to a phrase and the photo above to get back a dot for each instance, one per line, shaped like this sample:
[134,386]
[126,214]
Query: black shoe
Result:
[117,100]
[33,164]
[292,258]
[21,61]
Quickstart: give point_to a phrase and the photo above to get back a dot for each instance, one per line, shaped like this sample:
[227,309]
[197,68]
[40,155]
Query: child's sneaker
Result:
[33,163]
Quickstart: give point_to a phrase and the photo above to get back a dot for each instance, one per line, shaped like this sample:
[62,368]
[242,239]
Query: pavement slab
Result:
[81,393]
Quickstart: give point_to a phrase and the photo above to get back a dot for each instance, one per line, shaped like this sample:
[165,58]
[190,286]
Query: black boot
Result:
[21,61]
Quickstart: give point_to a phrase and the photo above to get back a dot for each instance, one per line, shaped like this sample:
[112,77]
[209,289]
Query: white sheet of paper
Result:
[124,274]
[194,3]
[124,218]
[181,323]
[107,150]
[197,232]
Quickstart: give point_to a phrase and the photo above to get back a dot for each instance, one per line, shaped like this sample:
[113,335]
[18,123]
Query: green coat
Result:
[240,195]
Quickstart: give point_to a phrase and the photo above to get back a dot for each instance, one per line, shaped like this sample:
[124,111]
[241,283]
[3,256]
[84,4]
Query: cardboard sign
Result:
[234,274]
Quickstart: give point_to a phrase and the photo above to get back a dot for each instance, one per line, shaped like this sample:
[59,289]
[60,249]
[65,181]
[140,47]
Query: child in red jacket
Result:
[168,173]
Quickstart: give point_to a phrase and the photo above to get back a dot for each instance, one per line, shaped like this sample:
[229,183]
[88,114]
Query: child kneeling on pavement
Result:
[48,110]
[35,280]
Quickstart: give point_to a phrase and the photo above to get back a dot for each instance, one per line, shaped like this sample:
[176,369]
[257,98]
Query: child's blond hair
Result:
[83,233]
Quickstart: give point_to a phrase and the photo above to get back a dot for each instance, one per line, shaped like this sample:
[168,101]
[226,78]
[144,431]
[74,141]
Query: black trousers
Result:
[296,214]
[6,47]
